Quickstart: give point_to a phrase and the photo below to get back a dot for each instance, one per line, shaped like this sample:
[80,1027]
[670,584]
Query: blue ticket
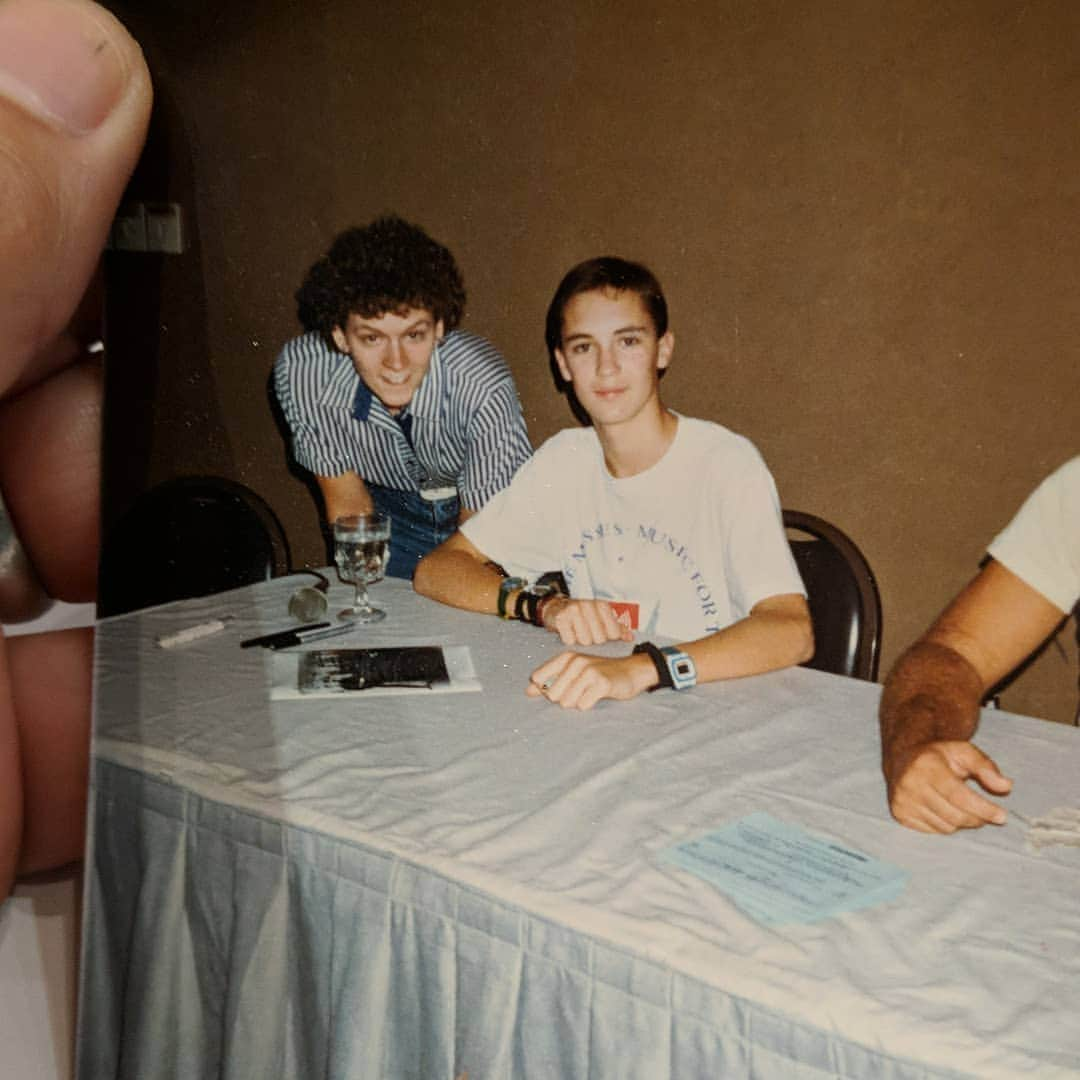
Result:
[780,873]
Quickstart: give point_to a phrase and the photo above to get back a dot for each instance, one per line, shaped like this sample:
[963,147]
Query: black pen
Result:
[282,635]
[299,637]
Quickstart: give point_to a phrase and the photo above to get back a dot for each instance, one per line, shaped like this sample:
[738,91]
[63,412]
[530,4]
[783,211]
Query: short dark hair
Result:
[376,269]
[606,272]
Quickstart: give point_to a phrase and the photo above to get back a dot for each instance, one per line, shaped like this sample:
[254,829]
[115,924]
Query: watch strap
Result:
[521,606]
[659,662]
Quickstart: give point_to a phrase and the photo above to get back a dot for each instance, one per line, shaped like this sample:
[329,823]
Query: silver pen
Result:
[301,637]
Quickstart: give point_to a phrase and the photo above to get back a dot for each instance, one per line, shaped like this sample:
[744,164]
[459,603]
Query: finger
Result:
[963,808]
[616,628]
[973,809]
[613,630]
[596,623]
[967,760]
[569,625]
[74,104]
[53,716]
[925,821]
[914,806]
[602,623]
[949,804]
[592,624]
[915,815]
[50,439]
[559,683]
[542,679]
[596,690]
[568,690]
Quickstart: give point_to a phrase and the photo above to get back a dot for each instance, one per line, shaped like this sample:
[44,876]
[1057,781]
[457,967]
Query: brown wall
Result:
[864,215]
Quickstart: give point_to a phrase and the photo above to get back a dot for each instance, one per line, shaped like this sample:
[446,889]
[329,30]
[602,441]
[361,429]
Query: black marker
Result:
[282,635]
[299,637]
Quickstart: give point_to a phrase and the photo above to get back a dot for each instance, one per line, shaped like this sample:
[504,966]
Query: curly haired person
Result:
[390,405]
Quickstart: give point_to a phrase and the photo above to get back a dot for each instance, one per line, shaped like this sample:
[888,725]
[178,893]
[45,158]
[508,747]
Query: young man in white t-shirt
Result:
[659,523]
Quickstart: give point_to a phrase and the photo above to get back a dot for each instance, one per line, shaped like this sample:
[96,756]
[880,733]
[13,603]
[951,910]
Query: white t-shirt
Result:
[1041,545]
[694,542]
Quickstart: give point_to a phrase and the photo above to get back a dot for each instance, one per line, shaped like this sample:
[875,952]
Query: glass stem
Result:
[360,600]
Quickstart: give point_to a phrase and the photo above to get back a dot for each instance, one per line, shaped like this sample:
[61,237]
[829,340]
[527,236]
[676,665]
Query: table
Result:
[413,887]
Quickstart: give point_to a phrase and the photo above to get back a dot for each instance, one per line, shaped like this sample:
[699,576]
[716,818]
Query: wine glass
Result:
[361,549]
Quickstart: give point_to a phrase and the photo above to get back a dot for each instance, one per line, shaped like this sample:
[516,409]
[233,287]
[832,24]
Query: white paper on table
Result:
[459,667]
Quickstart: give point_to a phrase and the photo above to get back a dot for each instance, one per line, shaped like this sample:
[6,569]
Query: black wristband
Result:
[657,657]
[524,606]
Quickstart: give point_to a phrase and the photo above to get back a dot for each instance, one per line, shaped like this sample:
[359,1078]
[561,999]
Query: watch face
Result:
[682,668]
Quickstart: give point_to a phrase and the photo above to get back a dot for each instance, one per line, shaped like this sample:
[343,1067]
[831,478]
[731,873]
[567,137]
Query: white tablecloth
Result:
[417,886]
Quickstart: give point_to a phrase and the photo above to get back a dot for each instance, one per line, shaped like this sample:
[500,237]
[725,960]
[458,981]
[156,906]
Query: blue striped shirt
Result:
[466,430]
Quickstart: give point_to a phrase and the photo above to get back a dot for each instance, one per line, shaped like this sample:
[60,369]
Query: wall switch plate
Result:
[151,227]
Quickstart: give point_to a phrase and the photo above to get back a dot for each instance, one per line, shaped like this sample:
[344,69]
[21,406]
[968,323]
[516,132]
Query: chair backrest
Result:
[190,536]
[845,605]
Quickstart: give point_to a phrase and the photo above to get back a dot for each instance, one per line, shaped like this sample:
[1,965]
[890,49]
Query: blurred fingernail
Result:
[58,61]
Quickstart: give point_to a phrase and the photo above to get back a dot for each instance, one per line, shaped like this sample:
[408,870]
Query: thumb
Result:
[74,106]
[969,760]
[991,777]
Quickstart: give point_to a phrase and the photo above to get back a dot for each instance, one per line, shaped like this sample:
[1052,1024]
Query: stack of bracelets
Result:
[530,603]
[529,606]
[675,669]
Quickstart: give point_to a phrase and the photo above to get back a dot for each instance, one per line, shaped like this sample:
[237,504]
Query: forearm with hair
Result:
[932,694]
[458,578]
[345,494]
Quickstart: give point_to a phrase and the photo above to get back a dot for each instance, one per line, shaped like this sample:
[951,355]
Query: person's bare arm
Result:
[459,574]
[344,494]
[777,633]
[930,704]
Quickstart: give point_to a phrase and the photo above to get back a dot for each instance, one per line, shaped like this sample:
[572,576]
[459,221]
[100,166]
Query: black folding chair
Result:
[845,606]
[191,536]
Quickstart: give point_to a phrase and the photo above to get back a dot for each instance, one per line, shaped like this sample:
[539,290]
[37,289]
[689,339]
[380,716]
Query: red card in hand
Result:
[626,611]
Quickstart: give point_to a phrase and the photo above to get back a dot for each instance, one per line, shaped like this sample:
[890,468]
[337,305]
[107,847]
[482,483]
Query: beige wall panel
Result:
[864,214]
